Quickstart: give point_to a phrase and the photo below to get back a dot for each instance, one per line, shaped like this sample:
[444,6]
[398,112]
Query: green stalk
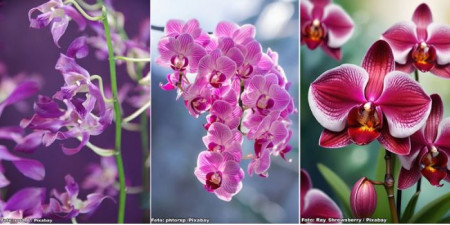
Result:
[117,117]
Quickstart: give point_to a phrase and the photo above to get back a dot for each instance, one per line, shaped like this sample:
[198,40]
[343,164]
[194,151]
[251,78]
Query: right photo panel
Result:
[375,109]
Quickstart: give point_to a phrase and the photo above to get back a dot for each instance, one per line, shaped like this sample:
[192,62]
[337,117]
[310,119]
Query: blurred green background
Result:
[371,19]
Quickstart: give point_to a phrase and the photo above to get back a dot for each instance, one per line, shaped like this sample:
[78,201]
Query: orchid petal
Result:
[402,38]
[442,71]
[378,62]
[339,24]
[422,18]
[329,104]
[407,178]
[399,146]
[78,48]
[436,114]
[26,199]
[439,38]
[404,103]
[58,29]
[330,139]
[335,53]
[319,205]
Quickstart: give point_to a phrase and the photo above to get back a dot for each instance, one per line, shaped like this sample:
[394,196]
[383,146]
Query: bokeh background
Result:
[177,137]
[371,19]
[32,51]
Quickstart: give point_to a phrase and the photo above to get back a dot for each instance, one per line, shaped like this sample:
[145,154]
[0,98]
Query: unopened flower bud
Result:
[363,199]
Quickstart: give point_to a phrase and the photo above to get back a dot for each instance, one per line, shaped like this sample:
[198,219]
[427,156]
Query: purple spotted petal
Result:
[404,103]
[402,38]
[422,18]
[330,139]
[329,104]
[439,38]
[319,205]
[78,48]
[378,62]
[339,24]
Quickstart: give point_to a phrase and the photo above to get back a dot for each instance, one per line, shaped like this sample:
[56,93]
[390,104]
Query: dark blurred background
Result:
[28,50]
[371,19]
[177,137]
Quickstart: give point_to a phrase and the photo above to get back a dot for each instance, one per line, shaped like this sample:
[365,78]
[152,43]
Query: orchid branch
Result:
[82,12]
[89,6]
[118,119]
[389,186]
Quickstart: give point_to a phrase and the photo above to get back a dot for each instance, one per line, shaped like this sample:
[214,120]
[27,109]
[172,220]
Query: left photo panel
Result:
[74,111]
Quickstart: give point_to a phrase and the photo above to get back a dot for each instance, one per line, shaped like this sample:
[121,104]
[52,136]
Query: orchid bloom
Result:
[24,204]
[314,203]
[219,175]
[430,150]
[324,24]
[361,104]
[57,13]
[68,205]
[421,44]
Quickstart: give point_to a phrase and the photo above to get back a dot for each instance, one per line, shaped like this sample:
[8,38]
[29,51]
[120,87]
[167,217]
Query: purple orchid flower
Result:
[241,35]
[175,28]
[68,205]
[223,112]
[420,44]
[21,92]
[180,53]
[57,13]
[102,177]
[430,150]
[28,167]
[98,42]
[197,97]
[361,104]
[217,69]
[265,95]
[325,24]
[24,204]
[218,175]
[314,203]
[220,138]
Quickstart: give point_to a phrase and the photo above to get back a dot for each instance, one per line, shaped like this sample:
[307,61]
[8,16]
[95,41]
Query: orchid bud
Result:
[363,199]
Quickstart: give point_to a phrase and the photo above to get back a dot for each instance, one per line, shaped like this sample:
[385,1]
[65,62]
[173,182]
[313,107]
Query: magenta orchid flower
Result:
[265,95]
[68,205]
[217,69]
[324,24]
[218,175]
[57,13]
[241,35]
[220,139]
[24,204]
[420,44]
[180,53]
[360,104]
[314,203]
[28,167]
[175,28]
[223,112]
[197,97]
[430,150]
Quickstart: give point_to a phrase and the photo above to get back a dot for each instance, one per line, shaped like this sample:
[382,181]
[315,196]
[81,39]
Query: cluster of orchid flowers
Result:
[88,109]
[244,91]
[379,101]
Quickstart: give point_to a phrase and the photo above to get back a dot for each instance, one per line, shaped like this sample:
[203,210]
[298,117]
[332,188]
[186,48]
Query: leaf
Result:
[339,187]
[409,211]
[445,220]
[382,210]
[433,211]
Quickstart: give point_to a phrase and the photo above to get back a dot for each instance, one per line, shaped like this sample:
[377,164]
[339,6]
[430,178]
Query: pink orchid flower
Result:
[217,68]
[220,176]
[174,28]
[314,203]
[361,104]
[220,139]
[421,44]
[324,24]
[430,150]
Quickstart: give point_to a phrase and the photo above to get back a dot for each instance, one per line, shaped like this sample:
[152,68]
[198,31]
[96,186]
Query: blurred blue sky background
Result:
[177,137]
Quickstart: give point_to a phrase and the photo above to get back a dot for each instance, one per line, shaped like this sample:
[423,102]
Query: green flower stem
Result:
[74,220]
[89,7]
[118,119]
[389,186]
[82,12]
[100,84]
[416,75]
[132,59]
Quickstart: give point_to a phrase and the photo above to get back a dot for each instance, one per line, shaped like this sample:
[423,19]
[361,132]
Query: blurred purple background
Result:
[28,50]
